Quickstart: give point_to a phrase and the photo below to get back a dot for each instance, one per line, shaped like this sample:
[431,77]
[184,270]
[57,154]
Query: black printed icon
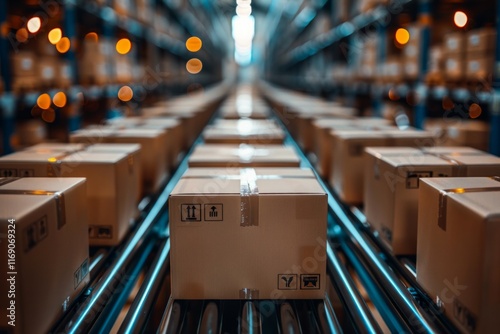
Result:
[309,282]
[287,281]
[190,212]
[213,212]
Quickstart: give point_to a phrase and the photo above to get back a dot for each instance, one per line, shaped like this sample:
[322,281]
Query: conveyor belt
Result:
[389,283]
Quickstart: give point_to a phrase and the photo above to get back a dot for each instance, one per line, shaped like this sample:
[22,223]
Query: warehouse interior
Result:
[249,166]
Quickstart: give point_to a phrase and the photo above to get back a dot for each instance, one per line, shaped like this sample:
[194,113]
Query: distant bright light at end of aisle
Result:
[243,31]
[193,44]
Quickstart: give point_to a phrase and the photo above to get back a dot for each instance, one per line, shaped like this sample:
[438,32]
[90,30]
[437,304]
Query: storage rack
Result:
[353,253]
[307,64]
[150,46]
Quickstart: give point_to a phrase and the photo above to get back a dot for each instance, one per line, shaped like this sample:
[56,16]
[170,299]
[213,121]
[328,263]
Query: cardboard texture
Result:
[348,157]
[231,156]
[244,133]
[153,150]
[51,250]
[392,184]
[113,183]
[252,234]
[458,250]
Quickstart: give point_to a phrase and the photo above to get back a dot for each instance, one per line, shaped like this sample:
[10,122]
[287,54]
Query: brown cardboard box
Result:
[348,159]
[239,112]
[230,156]
[113,184]
[478,67]
[153,150]
[482,41]
[244,135]
[392,183]
[175,132]
[225,227]
[458,250]
[50,265]
[243,124]
[469,133]
[436,63]
[454,66]
[46,68]
[454,43]
[322,137]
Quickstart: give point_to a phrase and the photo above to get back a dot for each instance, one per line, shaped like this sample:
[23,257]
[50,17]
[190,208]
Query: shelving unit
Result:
[156,64]
[330,63]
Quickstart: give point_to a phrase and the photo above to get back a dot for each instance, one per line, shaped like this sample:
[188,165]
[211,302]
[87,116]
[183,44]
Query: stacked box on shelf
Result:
[436,68]
[154,150]
[44,247]
[229,220]
[368,66]
[24,73]
[454,46]
[230,156]
[347,172]
[480,55]
[113,181]
[458,250]
[94,61]
[392,182]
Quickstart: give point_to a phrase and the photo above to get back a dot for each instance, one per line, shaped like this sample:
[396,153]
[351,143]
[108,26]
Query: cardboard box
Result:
[153,150]
[230,156]
[225,227]
[175,133]
[244,135]
[322,137]
[240,112]
[479,67]
[348,157]
[392,183]
[469,133]
[454,66]
[113,183]
[454,43]
[482,41]
[458,249]
[50,266]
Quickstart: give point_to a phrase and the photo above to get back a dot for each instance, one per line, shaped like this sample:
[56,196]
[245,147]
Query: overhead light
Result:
[194,44]
[34,24]
[194,66]
[55,35]
[123,46]
[460,19]
[243,10]
[402,36]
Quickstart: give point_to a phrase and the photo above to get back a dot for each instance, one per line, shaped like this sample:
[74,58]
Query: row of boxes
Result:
[59,198]
[237,204]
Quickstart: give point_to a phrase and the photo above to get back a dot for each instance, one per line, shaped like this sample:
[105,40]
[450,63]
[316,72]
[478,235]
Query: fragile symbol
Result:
[213,212]
[309,282]
[191,212]
[287,281]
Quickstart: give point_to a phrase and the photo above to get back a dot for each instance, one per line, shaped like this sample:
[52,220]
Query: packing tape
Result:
[458,169]
[57,195]
[249,195]
[444,194]
[247,293]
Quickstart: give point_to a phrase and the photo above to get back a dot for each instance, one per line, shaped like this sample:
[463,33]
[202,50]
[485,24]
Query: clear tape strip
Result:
[249,197]
[57,195]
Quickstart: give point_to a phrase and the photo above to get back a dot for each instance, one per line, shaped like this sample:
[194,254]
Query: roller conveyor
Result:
[370,290]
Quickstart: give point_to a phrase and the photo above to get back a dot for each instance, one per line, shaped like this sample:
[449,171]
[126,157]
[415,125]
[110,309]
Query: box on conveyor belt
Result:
[305,119]
[153,150]
[458,249]
[244,111]
[113,182]
[322,137]
[44,251]
[348,156]
[248,234]
[175,137]
[261,132]
[230,156]
[392,183]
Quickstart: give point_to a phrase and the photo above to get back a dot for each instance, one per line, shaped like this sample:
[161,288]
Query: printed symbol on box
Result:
[104,232]
[213,212]
[287,281]
[412,179]
[42,228]
[191,212]
[26,172]
[309,282]
[8,172]
[92,231]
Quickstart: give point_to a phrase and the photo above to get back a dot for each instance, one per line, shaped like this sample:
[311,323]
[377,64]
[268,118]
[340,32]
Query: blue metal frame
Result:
[7,101]
[495,108]
[424,14]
